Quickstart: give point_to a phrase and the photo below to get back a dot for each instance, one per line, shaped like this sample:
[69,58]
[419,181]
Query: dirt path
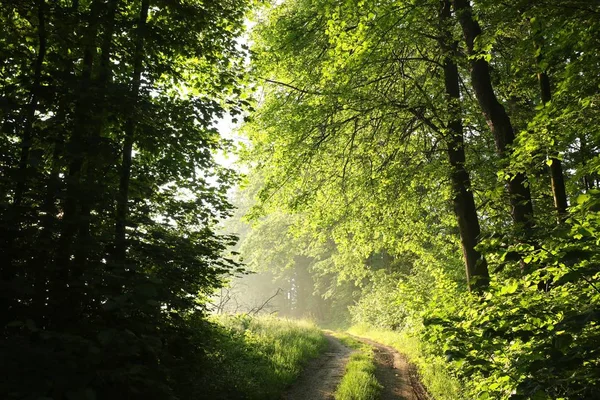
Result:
[321,376]
[395,374]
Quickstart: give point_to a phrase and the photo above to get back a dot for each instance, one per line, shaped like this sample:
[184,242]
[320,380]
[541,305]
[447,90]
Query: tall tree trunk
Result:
[8,271]
[27,139]
[123,198]
[496,117]
[41,260]
[556,171]
[557,180]
[463,200]
[76,150]
[91,178]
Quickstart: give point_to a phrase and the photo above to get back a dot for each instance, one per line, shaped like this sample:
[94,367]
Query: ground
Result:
[320,378]
[322,375]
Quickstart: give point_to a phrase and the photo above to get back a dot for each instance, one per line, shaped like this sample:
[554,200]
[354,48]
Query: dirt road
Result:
[395,374]
[322,375]
[320,378]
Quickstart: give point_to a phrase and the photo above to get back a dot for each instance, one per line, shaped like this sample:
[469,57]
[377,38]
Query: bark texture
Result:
[463,201]
[496,117]
[123,199]
[556,172]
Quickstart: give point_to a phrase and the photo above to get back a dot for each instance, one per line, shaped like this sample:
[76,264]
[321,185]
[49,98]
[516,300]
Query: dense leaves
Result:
[110,193]
[438,137]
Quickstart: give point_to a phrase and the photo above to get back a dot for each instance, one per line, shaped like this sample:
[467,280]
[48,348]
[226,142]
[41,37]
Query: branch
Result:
[256,310]
[290,86]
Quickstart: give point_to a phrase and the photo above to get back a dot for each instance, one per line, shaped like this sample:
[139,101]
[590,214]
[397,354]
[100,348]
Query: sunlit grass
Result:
[359,382]
[433,373]
[265,354]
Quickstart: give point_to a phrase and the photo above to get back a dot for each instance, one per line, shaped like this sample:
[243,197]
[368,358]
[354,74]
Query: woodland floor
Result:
[321,376]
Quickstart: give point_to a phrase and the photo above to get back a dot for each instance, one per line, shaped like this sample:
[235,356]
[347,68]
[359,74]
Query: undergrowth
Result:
[359,382]
[258,357]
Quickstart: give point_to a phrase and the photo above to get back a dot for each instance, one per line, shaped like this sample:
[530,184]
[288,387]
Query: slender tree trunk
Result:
[559,192]
[79,138]
[27,139]
[496,117]
[91,178]
[43,261]
[9,270]
[556,171]
[584,156]
[463,200]
[76,149]
[40,262]
[123,198]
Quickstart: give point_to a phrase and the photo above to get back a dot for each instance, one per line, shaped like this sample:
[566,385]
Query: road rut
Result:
[321,376]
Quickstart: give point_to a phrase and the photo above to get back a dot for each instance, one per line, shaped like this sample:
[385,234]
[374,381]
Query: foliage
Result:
[286,262]
[516,341]
[110,193]
[354,137]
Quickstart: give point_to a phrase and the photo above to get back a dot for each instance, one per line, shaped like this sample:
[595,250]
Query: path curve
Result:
[398,378]
[321,376]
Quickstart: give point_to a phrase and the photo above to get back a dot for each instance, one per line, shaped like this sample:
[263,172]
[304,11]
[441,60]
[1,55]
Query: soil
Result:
[322,375]
[398,378]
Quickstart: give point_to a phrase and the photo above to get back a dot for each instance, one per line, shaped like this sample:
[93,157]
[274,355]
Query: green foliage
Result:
[515,341]
[301,272]
[351,138]
[110,193]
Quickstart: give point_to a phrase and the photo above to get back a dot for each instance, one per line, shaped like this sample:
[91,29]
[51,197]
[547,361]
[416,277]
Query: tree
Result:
[385,133]
[496,116]
[110,194]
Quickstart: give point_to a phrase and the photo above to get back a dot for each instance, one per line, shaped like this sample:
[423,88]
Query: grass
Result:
[433,373]
[359,382]
[259,357]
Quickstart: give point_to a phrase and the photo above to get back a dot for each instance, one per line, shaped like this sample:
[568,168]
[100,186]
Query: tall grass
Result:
[359,382]
[258,357]
[433,372]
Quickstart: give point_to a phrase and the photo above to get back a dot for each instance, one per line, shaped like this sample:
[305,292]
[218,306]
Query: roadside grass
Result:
[258,357]
[359,382]
[433,372]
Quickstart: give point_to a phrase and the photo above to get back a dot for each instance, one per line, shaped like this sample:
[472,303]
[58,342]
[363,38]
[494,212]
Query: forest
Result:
[191,191]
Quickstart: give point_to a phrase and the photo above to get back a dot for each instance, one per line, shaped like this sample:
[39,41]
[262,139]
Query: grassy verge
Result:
[258,357]
[359,382]
[434,375]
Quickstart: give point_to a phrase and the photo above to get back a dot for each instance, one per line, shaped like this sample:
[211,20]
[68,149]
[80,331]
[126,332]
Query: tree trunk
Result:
[557,181]
[91,178]
[76,149]
[496,117]
[8,271]
[463,201]
[41,261]
[556,172]
[123,198]
[27,139]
